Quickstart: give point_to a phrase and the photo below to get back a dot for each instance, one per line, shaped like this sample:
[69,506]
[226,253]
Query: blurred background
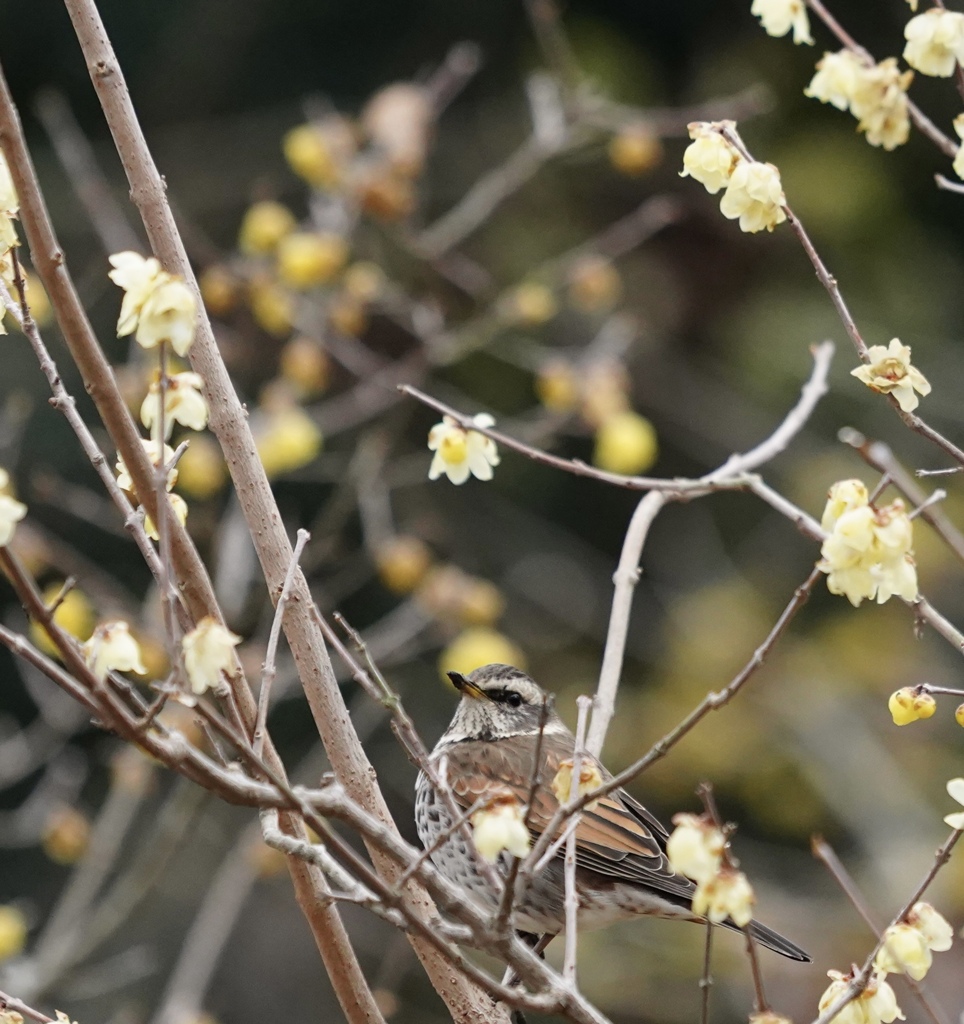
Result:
[140,899]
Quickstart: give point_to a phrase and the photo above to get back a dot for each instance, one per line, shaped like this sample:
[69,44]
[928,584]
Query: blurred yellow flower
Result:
[13,932]
[625,443]
[695,847]
[935,42]
[905,951]
[590,779]
[286,440]
[879,102]
[479,645]
[263,227]
[201,469]
[556,386]
[11,512]
[727,894]
[593,284]
[310,157]
[876,1004]
[956,789]
[531,303]
[778,17]
[74,615]
[66,835]
[402,562]
[306,365]
[111,646]
[178,506]
[499,826]
[835,81]
[307,259]
[635,150]
[937,932]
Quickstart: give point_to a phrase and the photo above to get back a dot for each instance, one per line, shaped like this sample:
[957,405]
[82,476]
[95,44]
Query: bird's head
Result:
[498,701]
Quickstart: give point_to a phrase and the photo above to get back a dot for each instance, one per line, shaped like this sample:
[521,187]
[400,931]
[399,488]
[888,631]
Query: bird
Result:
[622,868]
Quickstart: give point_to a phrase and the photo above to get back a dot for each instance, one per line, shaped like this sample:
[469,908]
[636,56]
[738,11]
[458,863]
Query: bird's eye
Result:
[513,699]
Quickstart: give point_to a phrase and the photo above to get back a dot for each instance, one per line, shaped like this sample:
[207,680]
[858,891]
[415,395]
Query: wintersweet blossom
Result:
[709,158]
[461,453]
[835,81]
[727,894]
[867,553]
[876,1004]
[779,16]
[956,789]
[590,778]
[890,371]
[158,453]
[500,826]
[208,651]
[9,207]
[937,932]
[754,194]
[11,510]
[879,102]
[769,1017]
[111,646]
[183,403]
[178,506]
[905,951]
[695,847]
[959,158]
[935,42]
[908,705]
[157,306]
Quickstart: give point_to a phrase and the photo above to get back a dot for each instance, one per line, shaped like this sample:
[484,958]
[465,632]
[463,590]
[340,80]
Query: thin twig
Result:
[706,978]
[569,868]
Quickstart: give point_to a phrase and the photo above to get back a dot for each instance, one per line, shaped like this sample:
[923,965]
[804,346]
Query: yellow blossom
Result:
[908,705]
[138,277]
[935,42]
[66,835]
[879,102]
[169,314]
[557,386]
[727,894]
[867,553]
[263,227]
[183,403]
[625,443]
[402,563]
[709,158]
[905,951]
[956,789]
[219,289]
[201,469]
[769,1017]
[208,651]
[499,826]
[590,779]
[74,615]
[876,1004]
[480,603]
[287,440]
[178,506]
[959,715]
[531,303]
[461,453]
[309,156]
[158,453]
[635,150]
[111,646]
[938,934]
[479,645]
[13,931]
[398,120]
[594,284]
[959,158]
[272,306]
[11,512]
[754,194]
[835,81]
[9,207]
[695,847]
[843,496]
[305,364]
[9,1016]
[307,259]
[890,371]
[779,16]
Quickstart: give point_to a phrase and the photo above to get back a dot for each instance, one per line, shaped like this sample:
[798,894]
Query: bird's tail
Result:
[775,941]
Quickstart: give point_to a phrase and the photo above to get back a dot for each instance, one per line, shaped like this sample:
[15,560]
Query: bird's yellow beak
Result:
[465,686]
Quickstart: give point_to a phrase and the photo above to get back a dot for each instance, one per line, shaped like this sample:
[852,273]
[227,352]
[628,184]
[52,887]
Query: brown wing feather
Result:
[618,837]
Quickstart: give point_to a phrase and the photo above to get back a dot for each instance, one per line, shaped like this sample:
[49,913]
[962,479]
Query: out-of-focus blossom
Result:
[263,227]
[695,847]
[709,158]
[208,651]
[935,42]
[111,646]
[13,931]
[727,894]
[179,508]
[159,453]
[625,443]
[499,826]
[836,78]
[287,439]
[879,103]
[778,17]
[479,645]
[905,951]
[956,789]
[590,779]
[937,932]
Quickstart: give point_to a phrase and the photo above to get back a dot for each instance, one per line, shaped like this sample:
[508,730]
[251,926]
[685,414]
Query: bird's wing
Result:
[616,837]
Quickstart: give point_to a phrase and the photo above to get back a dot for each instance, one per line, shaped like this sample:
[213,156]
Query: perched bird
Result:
[621,868]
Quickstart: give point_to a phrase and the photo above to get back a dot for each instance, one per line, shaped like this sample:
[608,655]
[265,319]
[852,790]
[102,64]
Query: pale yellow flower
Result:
[843,496]
[11,512]
[879,102]
[876,1004]
[709,158]
[183,403]
[695,847]
[158,453]
[769,1017]
[836,78]
[169,315]
[905,951]
[287,439]
[138,277]
[178,506]
[499,826]
[727,894]
[9,207]
[956,789]
[13,931]
[461,453]
[779,16]
[938,934]
[890,371]
[111,646]
[907,705]
[590,778]
[935,42]
[959,158]
[208,651]
[755,196]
